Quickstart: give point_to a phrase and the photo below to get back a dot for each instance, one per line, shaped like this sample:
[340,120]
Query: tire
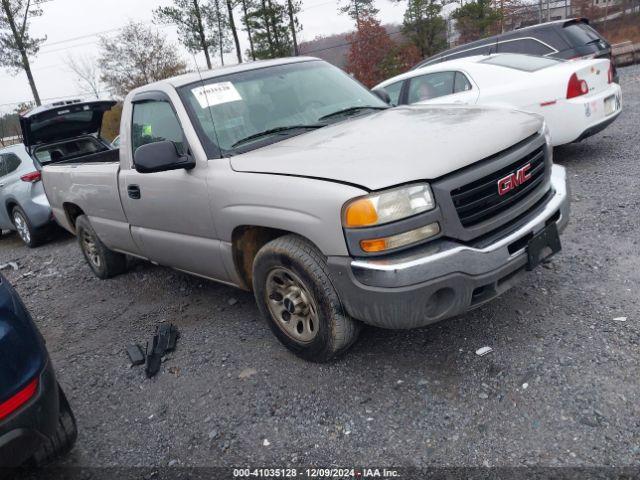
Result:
[26,231]
[62,440]
[304,310]
[105,263]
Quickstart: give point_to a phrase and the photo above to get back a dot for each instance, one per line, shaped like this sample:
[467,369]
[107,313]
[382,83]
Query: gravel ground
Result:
[561,386]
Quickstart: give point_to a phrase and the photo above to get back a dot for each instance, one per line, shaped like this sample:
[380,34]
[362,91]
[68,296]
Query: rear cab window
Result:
[525,63]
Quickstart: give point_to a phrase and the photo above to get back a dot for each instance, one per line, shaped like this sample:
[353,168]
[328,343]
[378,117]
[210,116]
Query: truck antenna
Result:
[204,91]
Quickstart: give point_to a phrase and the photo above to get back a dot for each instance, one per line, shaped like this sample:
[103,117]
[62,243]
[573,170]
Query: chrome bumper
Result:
[446,277]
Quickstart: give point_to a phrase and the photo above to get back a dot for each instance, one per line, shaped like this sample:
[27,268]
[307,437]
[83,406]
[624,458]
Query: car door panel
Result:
[169,212]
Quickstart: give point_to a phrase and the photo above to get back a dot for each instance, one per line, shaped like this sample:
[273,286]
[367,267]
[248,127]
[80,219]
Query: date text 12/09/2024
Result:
[315,473]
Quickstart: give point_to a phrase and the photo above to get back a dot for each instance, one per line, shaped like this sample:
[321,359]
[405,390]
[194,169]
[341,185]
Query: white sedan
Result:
[577,98]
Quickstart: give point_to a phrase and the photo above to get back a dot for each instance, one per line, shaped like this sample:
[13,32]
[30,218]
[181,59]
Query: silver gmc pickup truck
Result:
[289,178]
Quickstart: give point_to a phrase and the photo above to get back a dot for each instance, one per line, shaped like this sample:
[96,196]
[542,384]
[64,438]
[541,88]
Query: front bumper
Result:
[22,432]
[445,277]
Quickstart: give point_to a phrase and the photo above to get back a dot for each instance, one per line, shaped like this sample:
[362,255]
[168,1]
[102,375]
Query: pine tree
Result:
[269,22]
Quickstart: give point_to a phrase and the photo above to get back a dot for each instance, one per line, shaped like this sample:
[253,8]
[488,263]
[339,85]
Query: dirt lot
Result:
[561,387]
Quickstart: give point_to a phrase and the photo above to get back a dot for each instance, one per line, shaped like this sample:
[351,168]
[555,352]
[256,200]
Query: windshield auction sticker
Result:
[216,93]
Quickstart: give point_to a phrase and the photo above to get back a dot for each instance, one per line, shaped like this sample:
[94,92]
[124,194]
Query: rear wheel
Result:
[294,293]
[105,263]
[27,233]
[63,439]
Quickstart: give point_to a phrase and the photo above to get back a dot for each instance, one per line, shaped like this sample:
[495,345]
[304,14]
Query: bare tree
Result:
[136,56]
[16,44]
[87,74]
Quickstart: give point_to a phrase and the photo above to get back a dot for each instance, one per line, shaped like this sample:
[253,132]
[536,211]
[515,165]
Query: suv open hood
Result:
[394,146]
[63,120]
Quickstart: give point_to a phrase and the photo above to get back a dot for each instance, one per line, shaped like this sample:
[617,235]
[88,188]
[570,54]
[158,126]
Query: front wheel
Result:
[294,293]
[105,263]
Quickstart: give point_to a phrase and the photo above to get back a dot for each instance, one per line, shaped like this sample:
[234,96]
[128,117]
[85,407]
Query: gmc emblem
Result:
[514,180]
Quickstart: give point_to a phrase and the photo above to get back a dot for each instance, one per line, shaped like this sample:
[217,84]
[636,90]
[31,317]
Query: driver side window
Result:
[155,121]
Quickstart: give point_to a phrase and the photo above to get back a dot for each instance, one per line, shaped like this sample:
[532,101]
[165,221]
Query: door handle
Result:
[133,191]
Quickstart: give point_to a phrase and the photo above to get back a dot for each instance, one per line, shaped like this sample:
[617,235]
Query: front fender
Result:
[308,207]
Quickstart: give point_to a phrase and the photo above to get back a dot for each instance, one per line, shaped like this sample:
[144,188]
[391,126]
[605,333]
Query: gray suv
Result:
[23,205]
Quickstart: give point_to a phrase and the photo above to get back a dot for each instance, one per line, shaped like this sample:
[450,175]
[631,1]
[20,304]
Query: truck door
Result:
[168,212]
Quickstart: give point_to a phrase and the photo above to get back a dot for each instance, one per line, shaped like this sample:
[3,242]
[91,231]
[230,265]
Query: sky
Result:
[73,27]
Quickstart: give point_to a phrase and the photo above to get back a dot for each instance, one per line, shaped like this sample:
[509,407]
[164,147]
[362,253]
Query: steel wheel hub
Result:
[89,247]
[291,305]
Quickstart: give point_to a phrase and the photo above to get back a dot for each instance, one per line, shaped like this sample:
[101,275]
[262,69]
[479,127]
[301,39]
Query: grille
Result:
[479,200]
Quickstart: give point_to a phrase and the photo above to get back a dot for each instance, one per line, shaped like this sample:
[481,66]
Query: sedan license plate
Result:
[542,246]
[610,105]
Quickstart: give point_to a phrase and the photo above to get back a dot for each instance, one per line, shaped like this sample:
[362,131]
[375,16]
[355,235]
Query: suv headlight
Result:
[388,206]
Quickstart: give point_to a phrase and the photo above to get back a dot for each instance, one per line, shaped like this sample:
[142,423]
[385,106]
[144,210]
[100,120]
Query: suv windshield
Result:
[249,109]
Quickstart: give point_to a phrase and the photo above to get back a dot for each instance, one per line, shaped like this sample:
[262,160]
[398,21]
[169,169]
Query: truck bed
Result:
[107,156]
[89,184]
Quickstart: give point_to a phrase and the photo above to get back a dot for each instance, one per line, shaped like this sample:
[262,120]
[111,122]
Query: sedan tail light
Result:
[31,177]
[576,87]
[19,399]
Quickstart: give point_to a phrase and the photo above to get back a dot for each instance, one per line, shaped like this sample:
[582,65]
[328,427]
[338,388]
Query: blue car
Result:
[36,421]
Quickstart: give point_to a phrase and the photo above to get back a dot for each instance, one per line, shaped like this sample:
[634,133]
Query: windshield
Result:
[232,112]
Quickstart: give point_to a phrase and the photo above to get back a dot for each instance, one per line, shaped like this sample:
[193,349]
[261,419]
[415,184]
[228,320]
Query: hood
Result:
[63,120]
[394,146]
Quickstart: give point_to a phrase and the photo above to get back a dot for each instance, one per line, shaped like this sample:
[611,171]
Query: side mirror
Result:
[160,157]
[382,95]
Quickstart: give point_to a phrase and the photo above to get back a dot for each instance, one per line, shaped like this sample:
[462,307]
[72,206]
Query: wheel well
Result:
[73,212]
[11,204]
[247,241]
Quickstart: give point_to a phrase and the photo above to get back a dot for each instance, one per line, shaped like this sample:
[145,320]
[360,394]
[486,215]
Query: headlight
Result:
[392,242]
[388,206]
